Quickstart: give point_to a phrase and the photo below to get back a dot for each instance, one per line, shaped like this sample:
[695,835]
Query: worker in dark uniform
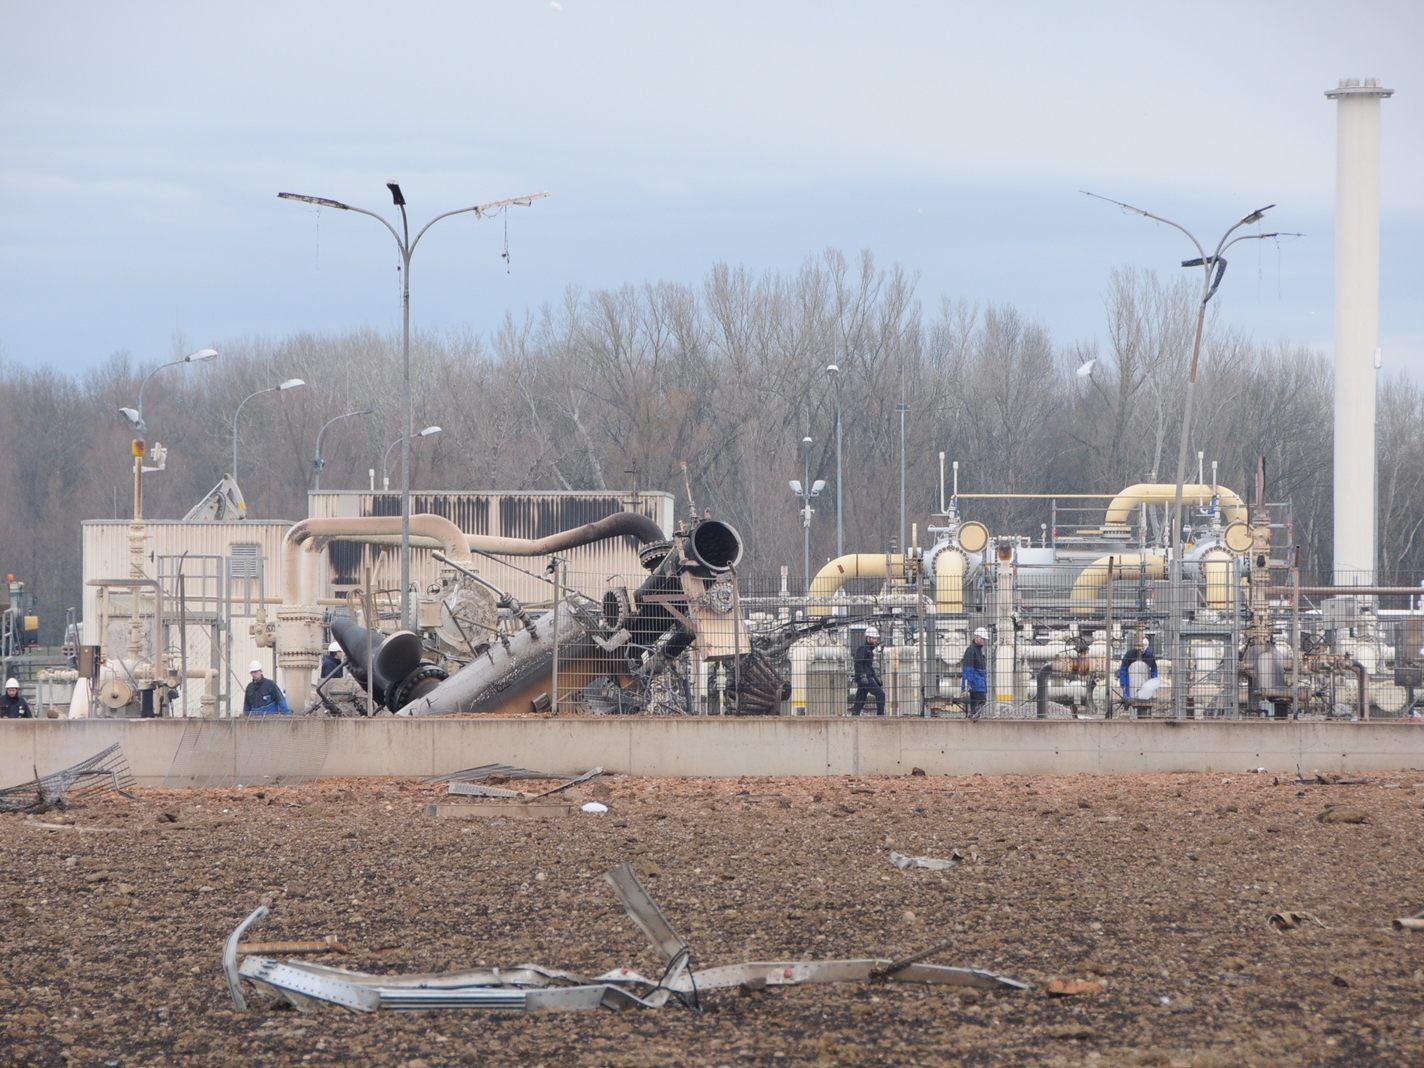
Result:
[867,676]
[334,662]
[974,671]
[13,704]
[262,696]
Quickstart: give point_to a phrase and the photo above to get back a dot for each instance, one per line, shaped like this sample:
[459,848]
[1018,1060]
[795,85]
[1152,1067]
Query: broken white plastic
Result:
[594,808]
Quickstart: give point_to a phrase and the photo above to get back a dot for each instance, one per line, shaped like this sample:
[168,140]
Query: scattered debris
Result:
[469,787]
[1329,778]
[1286,921]
[1340,814]
[104,772]
[903,862]
[533,988]
[523,811]
[918,773]
[485,771]
[37,825]
[1067,988]
[594,808]
[1410,923]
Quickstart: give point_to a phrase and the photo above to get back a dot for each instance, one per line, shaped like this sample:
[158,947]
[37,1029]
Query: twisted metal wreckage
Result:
[534,988]
[625,654]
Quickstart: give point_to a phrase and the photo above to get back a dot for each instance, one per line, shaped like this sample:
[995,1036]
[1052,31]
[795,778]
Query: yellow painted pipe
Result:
[1088,588]
[842,569]
[1120,511]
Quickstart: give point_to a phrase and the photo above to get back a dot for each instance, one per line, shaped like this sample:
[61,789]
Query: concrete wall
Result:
[212,752]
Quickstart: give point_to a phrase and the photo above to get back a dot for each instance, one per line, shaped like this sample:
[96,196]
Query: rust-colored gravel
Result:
[1159,886]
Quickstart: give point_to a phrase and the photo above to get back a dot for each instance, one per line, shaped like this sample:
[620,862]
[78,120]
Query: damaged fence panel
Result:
[534,988]
[105,772]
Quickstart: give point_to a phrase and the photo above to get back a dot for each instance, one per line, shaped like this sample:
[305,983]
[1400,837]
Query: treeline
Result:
[613,387]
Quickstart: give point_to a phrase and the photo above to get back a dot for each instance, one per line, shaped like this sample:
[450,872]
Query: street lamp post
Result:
[407,245]
[282,387]
[806,492]
[405,454]
[835,373]
[1213,267]
[318,464]
[904,410]
[135,415]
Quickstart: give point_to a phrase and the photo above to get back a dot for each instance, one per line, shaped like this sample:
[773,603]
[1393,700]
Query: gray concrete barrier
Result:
[195,752]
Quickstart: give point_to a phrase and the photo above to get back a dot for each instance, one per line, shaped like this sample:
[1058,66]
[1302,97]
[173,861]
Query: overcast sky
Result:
[143,145]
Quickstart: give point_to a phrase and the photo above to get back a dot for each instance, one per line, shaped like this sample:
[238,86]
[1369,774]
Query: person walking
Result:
[334,662]
[13,704]
[867,675]
[262,696]
[974,671]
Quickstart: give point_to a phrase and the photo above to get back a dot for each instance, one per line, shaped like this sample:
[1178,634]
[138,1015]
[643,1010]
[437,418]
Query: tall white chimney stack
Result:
[1357,267]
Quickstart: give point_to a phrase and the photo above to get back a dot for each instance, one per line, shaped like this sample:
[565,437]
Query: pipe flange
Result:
[720,597]
[653,554]
[617,607]
[409,688]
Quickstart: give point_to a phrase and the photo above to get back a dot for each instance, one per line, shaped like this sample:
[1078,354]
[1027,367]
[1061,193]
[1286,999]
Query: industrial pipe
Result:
[949,567]
[1120,566]
[844,568]
[437,527]
[1364,677]
[1119,513]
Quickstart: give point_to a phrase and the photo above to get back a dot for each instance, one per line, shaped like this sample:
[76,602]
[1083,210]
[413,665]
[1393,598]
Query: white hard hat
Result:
[980,632]
[256,665]
[12,684]
[334,647]
[872,632]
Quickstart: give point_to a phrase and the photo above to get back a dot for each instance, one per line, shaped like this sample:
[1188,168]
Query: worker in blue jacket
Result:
[974,670]
[1142,650]
[263,697]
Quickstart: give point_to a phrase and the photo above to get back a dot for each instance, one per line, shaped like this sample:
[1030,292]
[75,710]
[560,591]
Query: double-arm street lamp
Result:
[135,415]
[407,245]
[405,454]
[281,387]
[319,464]
[806,492]
[1213,267]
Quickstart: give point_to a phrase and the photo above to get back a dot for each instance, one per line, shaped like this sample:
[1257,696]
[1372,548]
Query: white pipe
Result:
[1357,269]
[949,567]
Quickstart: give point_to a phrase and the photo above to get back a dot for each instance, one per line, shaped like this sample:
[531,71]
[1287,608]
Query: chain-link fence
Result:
[1026,632]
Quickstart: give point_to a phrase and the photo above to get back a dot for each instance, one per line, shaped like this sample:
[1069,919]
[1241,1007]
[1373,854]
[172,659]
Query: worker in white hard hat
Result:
[13,704]
[263,697]
[974,671]
[334,662]
[867,675]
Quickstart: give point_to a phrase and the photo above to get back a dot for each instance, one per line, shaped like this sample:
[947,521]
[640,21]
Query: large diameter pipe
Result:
[1089,585]
[842,569]
[949,567]
[1357,270]
[437,527]
[1119,513]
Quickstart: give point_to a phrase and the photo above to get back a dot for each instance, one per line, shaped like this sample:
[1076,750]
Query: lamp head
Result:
[806,440]
[428,431]
[200,356]
[397,197]
[795,485]
[817,486]
[832,369]
[321,202]
[135,420]
[291,383]
[1086,370]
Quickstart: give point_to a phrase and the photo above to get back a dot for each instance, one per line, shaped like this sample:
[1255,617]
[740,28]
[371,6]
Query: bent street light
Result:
[406,244]
[319,464]
[1213,267]
[386,456]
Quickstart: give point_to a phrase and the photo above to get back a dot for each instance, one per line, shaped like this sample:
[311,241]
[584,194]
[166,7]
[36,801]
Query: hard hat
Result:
[872,632]
[980,632]
[334,647]
[256,665]
[12,684]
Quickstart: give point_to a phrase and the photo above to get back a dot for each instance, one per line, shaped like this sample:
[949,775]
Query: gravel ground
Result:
[1160,888]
